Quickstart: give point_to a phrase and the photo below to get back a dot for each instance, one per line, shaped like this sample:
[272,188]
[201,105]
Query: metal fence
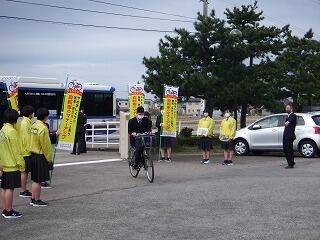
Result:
[103,134]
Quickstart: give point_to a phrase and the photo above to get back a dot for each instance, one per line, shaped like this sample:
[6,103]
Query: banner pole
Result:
[161,129]
[55,147]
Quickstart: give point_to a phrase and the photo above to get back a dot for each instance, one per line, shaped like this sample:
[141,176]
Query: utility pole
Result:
[205,7]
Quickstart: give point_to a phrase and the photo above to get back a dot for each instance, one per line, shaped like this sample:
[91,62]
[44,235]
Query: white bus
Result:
[99,101]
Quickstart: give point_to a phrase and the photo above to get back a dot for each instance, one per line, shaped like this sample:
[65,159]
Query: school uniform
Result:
[138,126]
[288,138]
[25,138]
[205,142]
[10,157]
[41,152]
[80,137]
[227,132]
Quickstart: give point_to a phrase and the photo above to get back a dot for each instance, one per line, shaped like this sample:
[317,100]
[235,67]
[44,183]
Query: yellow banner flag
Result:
[71,106]
[136,98]
[170,107]
[11,83]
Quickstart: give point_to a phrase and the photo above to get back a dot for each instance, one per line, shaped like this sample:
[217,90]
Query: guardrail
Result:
[104,134]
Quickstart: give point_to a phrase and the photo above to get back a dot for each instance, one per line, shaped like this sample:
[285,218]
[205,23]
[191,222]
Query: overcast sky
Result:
[113,57]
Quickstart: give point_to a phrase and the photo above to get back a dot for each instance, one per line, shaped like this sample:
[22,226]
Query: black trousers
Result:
[79,143]
[139,150]
[288,151]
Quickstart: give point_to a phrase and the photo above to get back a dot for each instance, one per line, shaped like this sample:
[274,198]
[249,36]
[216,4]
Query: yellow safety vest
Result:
[208,123]
[25,136]
[10,151]
[40,140]
[228,127]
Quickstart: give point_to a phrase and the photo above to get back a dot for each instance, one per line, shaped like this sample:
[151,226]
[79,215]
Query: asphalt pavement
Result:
[254,199]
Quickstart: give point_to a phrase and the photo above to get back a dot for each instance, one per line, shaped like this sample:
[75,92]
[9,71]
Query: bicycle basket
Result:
[147,141]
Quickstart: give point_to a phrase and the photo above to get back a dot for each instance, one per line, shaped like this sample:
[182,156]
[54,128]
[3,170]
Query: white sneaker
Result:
[206,161]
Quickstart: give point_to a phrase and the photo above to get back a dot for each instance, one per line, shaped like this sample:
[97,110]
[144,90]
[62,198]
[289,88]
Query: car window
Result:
[300,121]
[316,119]
[269,122]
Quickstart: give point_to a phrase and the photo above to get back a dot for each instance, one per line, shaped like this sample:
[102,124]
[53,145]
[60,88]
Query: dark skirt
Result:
[166,142]
[28,162]
[227,145]
[205,143]
[40,168]
[11,180]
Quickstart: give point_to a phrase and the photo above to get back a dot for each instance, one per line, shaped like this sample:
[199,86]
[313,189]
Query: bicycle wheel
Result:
[134,170]
[149,165]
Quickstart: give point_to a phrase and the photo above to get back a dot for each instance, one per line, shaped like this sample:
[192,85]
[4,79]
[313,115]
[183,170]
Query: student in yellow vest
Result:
[41,152]
[25,138]
[12,162]
[205,132]
[227,132]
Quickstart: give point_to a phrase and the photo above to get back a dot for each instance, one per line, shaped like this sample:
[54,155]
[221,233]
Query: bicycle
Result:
[146,141]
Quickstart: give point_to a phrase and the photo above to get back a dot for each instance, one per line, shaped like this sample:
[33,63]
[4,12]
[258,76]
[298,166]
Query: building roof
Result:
[194,100]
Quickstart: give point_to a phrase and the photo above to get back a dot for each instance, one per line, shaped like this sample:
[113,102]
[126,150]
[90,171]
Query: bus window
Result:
[98,104]
[52,100]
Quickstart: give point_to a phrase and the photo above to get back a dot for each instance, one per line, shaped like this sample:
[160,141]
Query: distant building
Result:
[194,106]
[123,104]
[149,104]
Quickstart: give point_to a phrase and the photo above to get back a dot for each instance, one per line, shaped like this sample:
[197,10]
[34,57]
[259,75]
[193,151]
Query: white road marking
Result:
[87,162]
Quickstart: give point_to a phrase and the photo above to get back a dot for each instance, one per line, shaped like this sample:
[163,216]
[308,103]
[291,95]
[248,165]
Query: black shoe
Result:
[45,185]
[25,194]
[39,203]
[207,161]
[202,161]
[31,202]
[168,160]
[73,153]
[225,162]
[11,214]
[289,167]
[230,163]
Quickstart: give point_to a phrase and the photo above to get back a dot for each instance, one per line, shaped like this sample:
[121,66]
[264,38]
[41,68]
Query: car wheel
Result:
[308,149]
[241,147]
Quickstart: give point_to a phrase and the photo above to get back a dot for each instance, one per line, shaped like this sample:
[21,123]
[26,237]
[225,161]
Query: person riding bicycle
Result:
[138,125]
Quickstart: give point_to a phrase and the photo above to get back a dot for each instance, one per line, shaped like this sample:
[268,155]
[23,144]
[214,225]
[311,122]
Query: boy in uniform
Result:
[12,162]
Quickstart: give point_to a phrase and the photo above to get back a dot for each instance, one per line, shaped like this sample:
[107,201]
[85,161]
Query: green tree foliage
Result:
[230,68]
[298,70]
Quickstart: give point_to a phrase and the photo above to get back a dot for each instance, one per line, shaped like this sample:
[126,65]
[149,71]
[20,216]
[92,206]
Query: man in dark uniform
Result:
[289,136]
[138,125]
[80,141]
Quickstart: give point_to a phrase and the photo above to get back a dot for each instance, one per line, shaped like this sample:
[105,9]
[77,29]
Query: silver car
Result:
[266,134]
